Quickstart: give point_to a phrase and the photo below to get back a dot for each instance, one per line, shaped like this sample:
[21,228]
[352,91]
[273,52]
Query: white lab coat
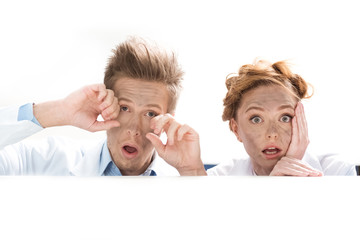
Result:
[329,164]
[53,155]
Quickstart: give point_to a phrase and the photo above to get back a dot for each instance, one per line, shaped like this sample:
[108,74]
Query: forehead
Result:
[268,97]
[141,92]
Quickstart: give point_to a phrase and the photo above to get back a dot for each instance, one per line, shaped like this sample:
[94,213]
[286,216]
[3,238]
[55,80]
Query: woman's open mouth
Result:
[272,152]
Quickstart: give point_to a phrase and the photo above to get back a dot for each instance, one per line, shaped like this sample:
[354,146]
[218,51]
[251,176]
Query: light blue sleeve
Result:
[16,124]
[26,113]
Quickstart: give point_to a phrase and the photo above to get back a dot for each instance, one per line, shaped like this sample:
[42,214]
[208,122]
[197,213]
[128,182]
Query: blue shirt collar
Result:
[108,167]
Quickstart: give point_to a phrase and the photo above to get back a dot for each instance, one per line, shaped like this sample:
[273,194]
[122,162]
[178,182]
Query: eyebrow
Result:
[154,105]
[147,105]
[285,106]
[254,108]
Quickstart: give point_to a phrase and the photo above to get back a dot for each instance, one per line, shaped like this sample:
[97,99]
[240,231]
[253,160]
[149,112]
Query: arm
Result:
[81,109]
[182,149]
[291,164]
[16,124]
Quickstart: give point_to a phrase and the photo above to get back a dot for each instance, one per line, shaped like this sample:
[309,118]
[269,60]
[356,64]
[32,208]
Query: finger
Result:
[300,170]
[284,168]
[112,111]
[107,100]
[300,118]
[157,143]
[302,121]
[104,125]
[172,132]
[298,165]
[96,90]
[184,130]
[101,90]
[286,171]
[162,122]
[295,130]
[299,139]
[294,138]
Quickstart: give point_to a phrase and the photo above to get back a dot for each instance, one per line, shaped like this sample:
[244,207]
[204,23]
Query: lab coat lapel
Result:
[89,165]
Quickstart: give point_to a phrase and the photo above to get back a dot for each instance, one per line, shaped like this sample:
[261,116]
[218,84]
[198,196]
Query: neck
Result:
[261,170]
[134,169]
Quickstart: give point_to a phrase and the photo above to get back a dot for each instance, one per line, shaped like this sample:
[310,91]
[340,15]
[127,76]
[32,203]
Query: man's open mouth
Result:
[130,149]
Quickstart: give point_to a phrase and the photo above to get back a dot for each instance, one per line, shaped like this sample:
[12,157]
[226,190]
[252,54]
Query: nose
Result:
[134,127]
[272,132]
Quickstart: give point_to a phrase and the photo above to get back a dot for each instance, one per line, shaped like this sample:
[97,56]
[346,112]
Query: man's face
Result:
[263,124]
[139,102]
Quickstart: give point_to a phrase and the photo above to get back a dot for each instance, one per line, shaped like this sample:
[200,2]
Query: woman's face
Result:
[263,124]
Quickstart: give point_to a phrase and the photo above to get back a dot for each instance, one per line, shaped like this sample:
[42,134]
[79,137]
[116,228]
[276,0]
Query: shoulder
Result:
[234,167]
[331,163]
[49,156]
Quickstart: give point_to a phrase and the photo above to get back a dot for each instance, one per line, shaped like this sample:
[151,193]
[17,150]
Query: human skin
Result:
[139,102]
[182,149]
[271,124]
[134,114]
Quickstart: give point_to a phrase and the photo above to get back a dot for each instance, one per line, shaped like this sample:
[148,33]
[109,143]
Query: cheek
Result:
[113,135]
[124,118]
[285,133]
[131,120]
[251,137]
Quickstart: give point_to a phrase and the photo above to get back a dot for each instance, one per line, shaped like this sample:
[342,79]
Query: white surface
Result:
[48,49]
[179,208]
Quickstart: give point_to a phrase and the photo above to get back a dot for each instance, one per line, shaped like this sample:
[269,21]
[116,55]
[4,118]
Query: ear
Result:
[235,128]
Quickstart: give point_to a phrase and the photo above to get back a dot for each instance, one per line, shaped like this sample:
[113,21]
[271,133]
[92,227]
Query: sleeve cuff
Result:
[26,113]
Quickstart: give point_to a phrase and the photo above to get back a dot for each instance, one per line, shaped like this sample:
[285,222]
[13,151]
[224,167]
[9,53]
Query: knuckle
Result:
[110,92]
[168,115]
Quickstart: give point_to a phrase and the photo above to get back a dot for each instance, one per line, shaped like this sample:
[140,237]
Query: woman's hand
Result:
[299,138]
[182,149]
[291,164]
[288,166]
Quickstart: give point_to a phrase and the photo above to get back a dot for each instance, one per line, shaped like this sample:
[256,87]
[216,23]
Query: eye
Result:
[286,118]
[124,108]
[256,119]
[151,114]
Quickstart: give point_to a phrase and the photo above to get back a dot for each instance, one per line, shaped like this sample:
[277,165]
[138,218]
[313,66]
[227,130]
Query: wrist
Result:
[199,171]
[50,114]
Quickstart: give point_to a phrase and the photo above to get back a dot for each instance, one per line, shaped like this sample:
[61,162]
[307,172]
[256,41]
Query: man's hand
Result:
[291,164]
[182,149]
[81,109]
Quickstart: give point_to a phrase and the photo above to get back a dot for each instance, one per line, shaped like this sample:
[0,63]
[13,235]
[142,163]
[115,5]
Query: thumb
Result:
[155,140]
[104,125]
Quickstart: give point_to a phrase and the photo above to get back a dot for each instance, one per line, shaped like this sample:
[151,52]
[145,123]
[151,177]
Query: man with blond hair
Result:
[137,102]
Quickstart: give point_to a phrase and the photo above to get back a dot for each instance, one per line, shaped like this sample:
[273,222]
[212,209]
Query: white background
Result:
[49,49]
[179,208]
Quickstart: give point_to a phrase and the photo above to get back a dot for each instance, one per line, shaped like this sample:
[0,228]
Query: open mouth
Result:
[272,152]
[129,151]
